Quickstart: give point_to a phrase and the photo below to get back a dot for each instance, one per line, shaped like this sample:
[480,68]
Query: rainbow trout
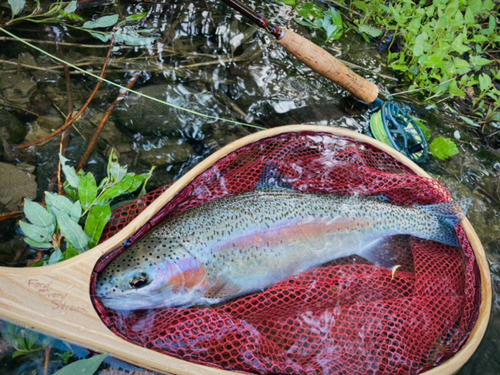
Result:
[247,242]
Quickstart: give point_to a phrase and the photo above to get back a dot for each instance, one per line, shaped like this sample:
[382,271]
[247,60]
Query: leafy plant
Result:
[125,31]
[314,17]
[28,342]
[23,340]
[81,217]
[444,48]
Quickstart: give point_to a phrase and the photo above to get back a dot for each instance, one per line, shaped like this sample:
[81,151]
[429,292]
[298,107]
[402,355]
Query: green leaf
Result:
[18,353]
[70,252]
[451,9]
[146,176]
[306,23]
[37,244]
[69,172]
[458,45]
[37,233]
[58,202]
[115,171]
[103,37]
[491,26]
[65,356]
[71,191]
[469,17]
[370,30]
[55,257]
[133,39]
[105,21]
[455,90]
[478,62]
[31,337]
[97,219]
[137,17]
[87,190]
[72,231]
[478,38]
[461,64]
[125,186]
[484,82]
[418,49]
[37,214]
[71,7]
[443,148]
[83,366]
[76,211]
[16,6]
[309,10]
[361,5]
[425,129]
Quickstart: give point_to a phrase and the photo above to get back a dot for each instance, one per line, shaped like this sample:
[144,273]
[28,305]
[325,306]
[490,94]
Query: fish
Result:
[247,242]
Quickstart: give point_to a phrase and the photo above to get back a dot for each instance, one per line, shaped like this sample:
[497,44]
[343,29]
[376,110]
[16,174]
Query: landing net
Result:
[347,317]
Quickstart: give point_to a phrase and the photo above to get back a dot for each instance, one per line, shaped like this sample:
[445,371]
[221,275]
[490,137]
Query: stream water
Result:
[215,62]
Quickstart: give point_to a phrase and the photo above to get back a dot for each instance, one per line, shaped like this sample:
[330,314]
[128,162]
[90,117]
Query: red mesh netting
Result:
[348,317]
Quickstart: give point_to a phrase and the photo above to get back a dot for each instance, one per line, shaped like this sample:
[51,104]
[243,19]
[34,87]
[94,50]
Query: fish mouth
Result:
[132,301]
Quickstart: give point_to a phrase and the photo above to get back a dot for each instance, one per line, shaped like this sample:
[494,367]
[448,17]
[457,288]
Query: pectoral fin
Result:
[223,288]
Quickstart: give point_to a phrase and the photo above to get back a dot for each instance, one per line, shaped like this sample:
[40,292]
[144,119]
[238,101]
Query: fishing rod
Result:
[390,123]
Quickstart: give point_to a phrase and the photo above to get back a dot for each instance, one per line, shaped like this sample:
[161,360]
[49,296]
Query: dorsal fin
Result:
[271,178]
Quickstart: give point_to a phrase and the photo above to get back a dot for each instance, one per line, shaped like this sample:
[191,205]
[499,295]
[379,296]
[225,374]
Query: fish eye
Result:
[139,281]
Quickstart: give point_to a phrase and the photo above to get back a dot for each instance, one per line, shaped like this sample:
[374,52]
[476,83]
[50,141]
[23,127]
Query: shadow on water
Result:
[215,62]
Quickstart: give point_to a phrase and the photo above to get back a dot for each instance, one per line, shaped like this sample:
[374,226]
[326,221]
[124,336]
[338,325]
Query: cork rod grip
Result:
[328,66]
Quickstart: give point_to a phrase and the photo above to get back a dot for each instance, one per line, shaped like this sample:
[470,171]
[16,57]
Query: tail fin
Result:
[449,213]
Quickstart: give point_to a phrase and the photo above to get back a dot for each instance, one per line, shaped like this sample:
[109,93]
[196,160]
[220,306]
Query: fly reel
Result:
[393,126]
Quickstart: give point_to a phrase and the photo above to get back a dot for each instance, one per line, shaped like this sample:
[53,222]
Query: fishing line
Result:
[127,89]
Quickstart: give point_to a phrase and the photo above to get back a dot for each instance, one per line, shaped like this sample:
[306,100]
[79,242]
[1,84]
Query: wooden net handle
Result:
[328,66]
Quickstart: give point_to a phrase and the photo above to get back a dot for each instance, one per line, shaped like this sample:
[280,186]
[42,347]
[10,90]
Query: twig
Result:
[47,360]
[492,57]
[110,110]
[32,67]
[10,215]
[74,118]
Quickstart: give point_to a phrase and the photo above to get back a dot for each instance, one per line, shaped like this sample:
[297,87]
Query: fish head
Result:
[161,279]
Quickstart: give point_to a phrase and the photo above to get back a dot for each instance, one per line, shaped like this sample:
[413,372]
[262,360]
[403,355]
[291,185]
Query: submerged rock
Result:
[167,152]
[148,117]
[15,128]
[17,88]
[15,185]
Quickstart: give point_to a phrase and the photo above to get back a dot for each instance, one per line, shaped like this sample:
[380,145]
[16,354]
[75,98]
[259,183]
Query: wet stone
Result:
[220,139]
[168,152]
[48,161]
[15,185]
[18,88]
[142,115]
[36,132]
[15,128]
[110,132]
[50,122]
